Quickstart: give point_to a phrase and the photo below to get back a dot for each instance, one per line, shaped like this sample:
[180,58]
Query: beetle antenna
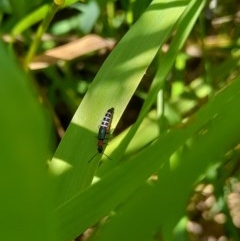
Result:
[107,156]
[92,157]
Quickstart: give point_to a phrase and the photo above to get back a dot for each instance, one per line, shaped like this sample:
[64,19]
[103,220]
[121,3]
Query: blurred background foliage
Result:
[79,37]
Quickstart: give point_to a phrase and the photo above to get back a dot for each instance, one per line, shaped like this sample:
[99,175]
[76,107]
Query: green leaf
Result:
[113,86]
[25,201]
[30,20]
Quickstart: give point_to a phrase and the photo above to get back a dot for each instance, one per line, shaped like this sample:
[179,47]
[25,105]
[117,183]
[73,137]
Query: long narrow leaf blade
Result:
[113,86]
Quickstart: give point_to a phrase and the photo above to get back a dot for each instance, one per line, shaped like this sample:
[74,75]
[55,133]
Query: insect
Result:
[104,129]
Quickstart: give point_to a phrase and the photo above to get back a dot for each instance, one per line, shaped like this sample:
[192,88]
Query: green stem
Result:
[41,30]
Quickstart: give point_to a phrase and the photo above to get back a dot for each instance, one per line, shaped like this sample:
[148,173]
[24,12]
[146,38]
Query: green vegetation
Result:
[170,69]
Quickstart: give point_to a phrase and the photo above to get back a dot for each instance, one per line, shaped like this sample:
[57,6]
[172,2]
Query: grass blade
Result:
[113,86]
